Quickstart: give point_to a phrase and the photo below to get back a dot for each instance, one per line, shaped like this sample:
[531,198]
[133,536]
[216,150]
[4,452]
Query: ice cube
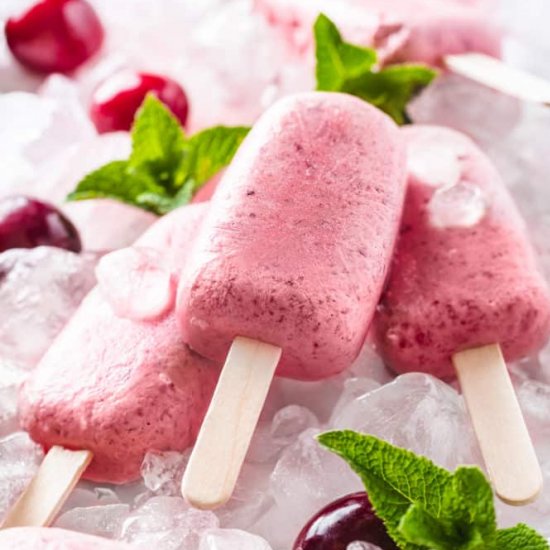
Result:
[40,288]
[87,156]
[11,377]
[19,461]
[318,397]
[137,283]
[162,471]
[87,495]
[232,539]
[103,521]
[306,478]
[460,205]
[250,499]
[417,412]
[168,523]
[272,437]
[39,130]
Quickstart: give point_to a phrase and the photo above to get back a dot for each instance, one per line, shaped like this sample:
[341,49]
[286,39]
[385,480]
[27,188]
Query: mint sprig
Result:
[424,506]
[166,168]
[345,67]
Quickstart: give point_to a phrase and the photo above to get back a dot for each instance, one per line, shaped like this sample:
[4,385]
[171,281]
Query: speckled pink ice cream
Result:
[452,286]
[41,538]
[403,30]
[296,244]
[120,387]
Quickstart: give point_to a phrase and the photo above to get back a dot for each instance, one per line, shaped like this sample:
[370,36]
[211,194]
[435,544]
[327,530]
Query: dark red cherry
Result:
[27,222]
[115,101]
[55,35]
[348,519]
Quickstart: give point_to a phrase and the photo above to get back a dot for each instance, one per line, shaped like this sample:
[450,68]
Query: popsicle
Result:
[289,264]
[464,287]
[118,387]
[460,36]
[38,538]
[403,30]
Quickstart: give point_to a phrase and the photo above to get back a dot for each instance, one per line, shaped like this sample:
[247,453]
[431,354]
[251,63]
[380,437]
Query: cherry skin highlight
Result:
[26,223]
[55,35]
[115,101]
[346,520]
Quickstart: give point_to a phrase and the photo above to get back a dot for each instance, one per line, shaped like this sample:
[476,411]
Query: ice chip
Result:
[19,461]
[40,288]
[136,283]
[461,205]
[168,523]
[232,539]
[417,412]
[272,437]
[250,499]
[306,478]
[103,521]
[162,471]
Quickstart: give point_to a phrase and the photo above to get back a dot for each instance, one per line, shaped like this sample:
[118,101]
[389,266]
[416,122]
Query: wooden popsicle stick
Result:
[498,422]
[59,472]
[496,74]
[229,424]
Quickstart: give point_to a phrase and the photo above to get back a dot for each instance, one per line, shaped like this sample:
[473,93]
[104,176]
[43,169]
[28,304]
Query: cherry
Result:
[348,519]
[116,100]
[55,35]
[27,222]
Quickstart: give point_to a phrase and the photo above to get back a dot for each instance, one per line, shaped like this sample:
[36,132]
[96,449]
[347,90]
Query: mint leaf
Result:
[423,506]
[165,168]
[394,478]
[208,152]
[337,61]
[344,67]
[157,142]
[520,537]
[118,181]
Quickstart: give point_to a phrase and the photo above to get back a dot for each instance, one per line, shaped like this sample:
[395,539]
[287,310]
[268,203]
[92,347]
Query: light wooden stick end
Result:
[229,424]
[499,425]
[59,472]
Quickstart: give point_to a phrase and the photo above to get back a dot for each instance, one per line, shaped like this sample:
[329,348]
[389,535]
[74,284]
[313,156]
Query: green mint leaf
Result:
[165,169]
[337,61]
[207,152]
[469,499]
[520,537]
[118,181]
[157,142]
[394,478]
[420,528]
[344,67]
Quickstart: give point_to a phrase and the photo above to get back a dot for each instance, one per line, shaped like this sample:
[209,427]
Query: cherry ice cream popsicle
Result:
[463,290]
[38,538]
[118,387]
[289,264]
[457,35]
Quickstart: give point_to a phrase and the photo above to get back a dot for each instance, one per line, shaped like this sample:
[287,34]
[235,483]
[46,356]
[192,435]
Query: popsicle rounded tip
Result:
[524,492]
[202,497]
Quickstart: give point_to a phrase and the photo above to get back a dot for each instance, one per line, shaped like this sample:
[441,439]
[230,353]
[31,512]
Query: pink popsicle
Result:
[296,245]
[289,265]
[464,291]
[120,387]
[458,284]
[403,30]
